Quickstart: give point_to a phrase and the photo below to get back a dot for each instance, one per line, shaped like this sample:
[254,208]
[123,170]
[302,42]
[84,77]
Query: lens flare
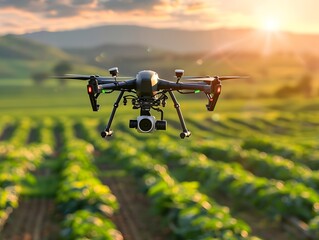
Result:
[271,25]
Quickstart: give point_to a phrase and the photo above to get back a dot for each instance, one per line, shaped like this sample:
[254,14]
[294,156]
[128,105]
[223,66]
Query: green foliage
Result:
[189,213]
[261,163]
[304,88]
[192,214]
[275,198]
[39,77]
[84,224]
[273,171]
[62,68]
[8,201]
[16,163]
[291,151]
[314,227]
[15,47]
[85,202]
[23,58]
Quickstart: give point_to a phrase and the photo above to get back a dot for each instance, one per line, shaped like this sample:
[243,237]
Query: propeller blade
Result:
[73,77]
[88,77]
[222,78]
[210,79]
[201,79]
[190,77]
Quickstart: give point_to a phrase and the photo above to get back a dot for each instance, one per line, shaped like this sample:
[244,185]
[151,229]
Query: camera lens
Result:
[145,125]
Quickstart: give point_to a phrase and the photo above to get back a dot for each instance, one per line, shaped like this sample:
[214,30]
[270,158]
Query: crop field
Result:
[249,170]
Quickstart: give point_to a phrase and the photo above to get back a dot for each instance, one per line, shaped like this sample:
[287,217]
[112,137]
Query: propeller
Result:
[77,77]
[210,79]
[88,77]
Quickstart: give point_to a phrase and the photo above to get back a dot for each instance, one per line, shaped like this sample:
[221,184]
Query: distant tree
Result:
[286,91]
[39,77]
[311,63]
[305,85]
[61,68]
[264,72]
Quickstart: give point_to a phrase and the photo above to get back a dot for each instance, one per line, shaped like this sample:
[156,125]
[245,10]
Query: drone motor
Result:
[114,71]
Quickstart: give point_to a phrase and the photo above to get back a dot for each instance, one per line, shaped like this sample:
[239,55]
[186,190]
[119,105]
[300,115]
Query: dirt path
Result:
[32,220]
[134,219]
[7,132]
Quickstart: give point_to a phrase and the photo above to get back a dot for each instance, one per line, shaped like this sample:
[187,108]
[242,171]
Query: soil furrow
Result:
[134,219]
[31,220]
[7,132]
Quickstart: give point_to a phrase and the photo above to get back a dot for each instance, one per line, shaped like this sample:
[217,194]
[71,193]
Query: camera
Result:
[147,124]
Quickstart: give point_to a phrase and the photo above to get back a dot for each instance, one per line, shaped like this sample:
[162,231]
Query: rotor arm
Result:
[123,85]
[167,85]
[211,89]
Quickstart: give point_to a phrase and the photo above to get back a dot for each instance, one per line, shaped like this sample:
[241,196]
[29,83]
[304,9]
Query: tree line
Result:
[58,69]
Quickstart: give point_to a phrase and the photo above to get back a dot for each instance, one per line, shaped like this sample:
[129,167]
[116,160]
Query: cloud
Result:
[128,5]
[191,14]
[48,8]
[15,3]
[82,2]
[56,15]
[62,8]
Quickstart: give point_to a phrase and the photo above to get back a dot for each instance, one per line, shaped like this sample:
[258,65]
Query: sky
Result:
[23,16]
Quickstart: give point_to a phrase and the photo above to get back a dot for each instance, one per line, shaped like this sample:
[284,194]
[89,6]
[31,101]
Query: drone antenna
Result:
[114,71]
[179,73]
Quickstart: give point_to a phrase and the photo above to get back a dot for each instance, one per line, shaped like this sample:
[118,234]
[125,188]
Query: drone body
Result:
[146,83]
[148,92]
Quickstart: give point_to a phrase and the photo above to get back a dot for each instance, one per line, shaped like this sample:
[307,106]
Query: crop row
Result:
[276,198]
[5,122]
[88,129]
[17,161]
[234,126]
[298,153]
[88,204]
[260,163]
[85,202]
[189,213]
[21,133]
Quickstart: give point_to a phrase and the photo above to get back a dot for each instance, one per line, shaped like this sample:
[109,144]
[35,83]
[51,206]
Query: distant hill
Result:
[130,58]
[16,47]
[110,51]
[20,58]
[178,40]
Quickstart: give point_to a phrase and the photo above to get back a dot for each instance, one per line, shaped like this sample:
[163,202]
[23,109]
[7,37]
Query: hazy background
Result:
[276,43]
[266,126]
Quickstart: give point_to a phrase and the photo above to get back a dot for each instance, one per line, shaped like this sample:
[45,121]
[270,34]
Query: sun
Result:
[271,24]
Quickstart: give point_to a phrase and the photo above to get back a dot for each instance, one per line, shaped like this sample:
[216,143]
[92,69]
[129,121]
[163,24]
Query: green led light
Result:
[103,91]
[197,91]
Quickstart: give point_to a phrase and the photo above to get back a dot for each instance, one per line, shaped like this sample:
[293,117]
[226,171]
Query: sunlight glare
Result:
[271,25]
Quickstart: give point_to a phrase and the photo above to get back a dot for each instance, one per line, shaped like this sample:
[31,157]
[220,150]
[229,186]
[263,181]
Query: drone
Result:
[149,92]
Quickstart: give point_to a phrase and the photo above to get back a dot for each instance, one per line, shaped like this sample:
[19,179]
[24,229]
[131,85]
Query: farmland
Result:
[249,170]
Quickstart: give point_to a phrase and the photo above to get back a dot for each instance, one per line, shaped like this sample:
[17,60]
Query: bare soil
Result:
[134,219]
[32,220]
